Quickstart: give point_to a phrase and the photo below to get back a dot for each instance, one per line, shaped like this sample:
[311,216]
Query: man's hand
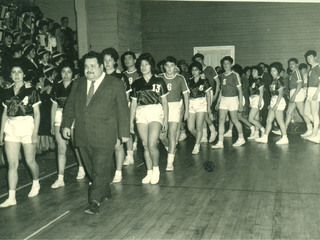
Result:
[66,133]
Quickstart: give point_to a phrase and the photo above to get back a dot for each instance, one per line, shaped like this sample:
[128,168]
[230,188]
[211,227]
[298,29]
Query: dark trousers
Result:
[99,165]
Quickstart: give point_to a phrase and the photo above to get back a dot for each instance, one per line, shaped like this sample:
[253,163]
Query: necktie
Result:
[90,93]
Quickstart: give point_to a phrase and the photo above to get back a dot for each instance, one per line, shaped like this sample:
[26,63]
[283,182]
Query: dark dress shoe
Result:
[93,209]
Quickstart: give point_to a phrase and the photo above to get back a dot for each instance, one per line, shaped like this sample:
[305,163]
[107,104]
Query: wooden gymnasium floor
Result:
[257,191]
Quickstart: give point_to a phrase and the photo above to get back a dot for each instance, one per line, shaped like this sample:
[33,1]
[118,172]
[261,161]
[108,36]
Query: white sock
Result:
[130,153]
[35,182]
[155,169]
[309,127]
[118,173]
[262,129]
[60,177]
[212,129]
[12,194]
[284,136]
[149,172]
[240,135]
[170,157]
[81,168]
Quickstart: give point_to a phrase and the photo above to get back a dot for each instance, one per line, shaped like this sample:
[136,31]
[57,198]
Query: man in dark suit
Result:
[98,105]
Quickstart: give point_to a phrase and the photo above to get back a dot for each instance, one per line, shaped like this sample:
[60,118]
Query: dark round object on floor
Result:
[209,166]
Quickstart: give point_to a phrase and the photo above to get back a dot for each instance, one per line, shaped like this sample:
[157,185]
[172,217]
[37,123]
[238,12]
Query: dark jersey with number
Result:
[124,79]
[229,84]
[60,93]
[198,89]
[276,85]
[21,104]
[132,76]
[255,86]
[150,92]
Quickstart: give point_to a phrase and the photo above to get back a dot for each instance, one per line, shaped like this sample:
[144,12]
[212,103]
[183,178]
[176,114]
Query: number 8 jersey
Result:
[148,92]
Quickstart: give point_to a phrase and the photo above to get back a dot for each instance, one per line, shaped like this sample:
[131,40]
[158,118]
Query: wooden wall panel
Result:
[260,31]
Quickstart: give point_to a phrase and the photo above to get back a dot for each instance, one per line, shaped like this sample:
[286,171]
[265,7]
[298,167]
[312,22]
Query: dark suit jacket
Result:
[104,119]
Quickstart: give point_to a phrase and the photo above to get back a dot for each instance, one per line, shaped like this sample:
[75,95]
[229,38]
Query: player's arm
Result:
[186,105]
[216,95]
[261,91]
[3,122]
[133,109]
[36,117]
[54,108]
[240,98]
[165,111]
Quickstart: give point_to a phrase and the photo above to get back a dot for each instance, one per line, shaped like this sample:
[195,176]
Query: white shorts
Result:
[19,129]
[254,101]
[58,118]
[311,92]
[301,96]
[174,111]
[282,103]
[229,103]
[149,113]
[197,105]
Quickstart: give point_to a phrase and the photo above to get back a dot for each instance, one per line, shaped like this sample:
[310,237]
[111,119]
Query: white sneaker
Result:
[196,149]
[262,130]
[169,167]
[306,134]
[147,179]
[263,139]
[277,132]
[283,140]
[129,160]
[34,190]
[81,173]
[134,146]
[218,145]
[239,142]
[254,136]
[182,136]
[314,139]
[8,203]
[204,139]
[213,136]
[57,184]
[117,179]
[155,177]
[228,134]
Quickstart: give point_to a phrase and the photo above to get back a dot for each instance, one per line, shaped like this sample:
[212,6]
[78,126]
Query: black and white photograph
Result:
[159,119]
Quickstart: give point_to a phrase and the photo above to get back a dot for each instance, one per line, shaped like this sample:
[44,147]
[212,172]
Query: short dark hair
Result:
[91,55]
[303,65]
[111,52]
[197,65]
[276,65]
[246,69]
[63,18]
[170,59]
[127,53]
[18,63]
[311,52]
[227,58]
[197,55]
[237,68]
[258,68]
[147,57]
[293,60]
[160,63]
[66,64]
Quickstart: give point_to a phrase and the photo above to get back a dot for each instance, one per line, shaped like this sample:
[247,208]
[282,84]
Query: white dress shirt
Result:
[96,83]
